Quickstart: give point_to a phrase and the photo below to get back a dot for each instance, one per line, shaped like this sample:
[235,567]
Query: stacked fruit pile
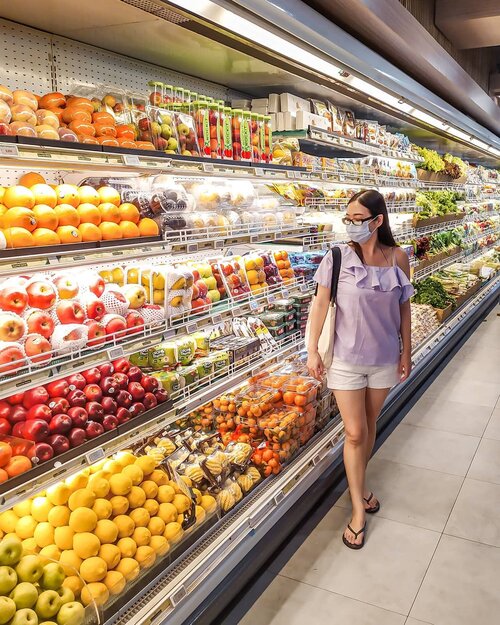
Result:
[54,116]
[34,213]
[107,523]
[34,589]
[284,265]
[65,413]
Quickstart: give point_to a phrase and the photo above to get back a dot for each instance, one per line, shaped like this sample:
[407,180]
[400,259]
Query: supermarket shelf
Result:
[339,204]
[91,357]
[174,594]
[62,466]
[181,242]
[82,157]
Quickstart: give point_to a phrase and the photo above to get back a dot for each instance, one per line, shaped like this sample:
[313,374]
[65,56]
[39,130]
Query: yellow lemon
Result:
[120,484]
[70,561]
[75,583]
[115,582]
[58,494]
[134,472]
[156,526]
[93,569]
[140,516]
[146,463]
[141,536]
[25,527]
[125,458]
[95,591]
[40,508]
[150,488]
[166,494]
[44,534]
[59,516]
[129,568]
[182,503]
[81,498]
[51,552]
[103,508]
[151,506]
[86,545]
[136,497]
[160,545]
[146,556]
[125,525]
[127,547]
[111,554]
[106,531]
[119,505]
[167,512]
[83,520]
[173,532]
[63,537]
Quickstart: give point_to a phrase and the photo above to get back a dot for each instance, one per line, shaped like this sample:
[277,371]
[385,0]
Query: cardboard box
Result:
[260,103]
[292,103]
[305,119]
[274,103]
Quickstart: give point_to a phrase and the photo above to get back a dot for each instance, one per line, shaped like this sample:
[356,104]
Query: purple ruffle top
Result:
[368,317]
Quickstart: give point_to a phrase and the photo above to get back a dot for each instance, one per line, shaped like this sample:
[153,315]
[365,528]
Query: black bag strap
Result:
[336,265]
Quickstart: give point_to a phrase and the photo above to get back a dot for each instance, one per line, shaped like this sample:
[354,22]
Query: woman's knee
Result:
[356,435]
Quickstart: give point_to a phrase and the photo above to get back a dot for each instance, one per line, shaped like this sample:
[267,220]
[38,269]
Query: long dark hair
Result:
[375,203]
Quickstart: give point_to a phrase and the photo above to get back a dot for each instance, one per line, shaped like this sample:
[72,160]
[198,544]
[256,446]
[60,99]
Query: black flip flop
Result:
[356,534]
[373,509]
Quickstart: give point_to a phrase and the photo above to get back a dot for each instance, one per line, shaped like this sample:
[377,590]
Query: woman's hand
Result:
[315,365]
[404,366]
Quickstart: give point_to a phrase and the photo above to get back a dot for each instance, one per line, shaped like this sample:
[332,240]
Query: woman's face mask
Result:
[361,233]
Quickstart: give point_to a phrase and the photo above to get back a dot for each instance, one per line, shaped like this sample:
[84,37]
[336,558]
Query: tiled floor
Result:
[432,553]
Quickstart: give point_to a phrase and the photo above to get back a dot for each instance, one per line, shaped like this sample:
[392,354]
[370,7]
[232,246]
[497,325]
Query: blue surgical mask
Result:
[359,234]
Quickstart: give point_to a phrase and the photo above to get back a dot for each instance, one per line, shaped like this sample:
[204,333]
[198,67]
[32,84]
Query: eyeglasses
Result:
[356,222]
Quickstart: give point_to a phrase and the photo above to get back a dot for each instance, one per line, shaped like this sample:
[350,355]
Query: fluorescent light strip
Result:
[248,30]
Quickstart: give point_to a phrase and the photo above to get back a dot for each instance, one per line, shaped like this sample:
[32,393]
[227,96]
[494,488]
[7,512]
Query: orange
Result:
[19,196]
[4,476]
[110,230]
[44,236]
[3,210]
[17,465]
[67,215]
[31,178]
[44,194]
[89,232]
[46,216]
[129,212]
[108,194]
[20,217]
[89,214]
[18,237]
[69,234]
[88,195]
[68,194]
[129,229]
[148,227]
[5,453]
[110,212]
[2,193]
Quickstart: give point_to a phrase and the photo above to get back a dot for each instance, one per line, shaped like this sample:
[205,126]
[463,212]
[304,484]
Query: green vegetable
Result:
[432,292]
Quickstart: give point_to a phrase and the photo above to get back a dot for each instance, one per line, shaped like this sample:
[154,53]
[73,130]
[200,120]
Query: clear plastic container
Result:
[234,277]
[299,391]
[202,119]
[226,134]
[268,139]
[246,136]
[163,130]
[156,93]
[279,425]
[255,126]
[236,122]
[255,401]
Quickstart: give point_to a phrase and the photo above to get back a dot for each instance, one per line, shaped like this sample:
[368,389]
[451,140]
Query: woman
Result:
[372,347]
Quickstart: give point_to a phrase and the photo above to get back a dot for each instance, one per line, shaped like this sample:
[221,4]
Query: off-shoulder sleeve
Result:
[323,275]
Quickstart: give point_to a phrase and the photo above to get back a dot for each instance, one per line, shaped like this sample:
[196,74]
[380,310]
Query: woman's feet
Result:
[372,504]
[354,535]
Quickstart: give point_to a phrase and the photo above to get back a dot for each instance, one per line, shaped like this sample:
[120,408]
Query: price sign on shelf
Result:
[254,305]
[259,172]
[8,149]
[95,455]
[303,288]
[131,159]
[285,293]
[115,352]
[208,167]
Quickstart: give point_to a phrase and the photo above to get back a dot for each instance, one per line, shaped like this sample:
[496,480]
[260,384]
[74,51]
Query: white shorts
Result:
[342,376]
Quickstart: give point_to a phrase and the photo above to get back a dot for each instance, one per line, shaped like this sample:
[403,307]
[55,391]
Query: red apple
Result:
[115,326]
[95,309]
[13,298]
[161,395]
[37,395]
[94,410]
[66,286]
[37,348]
[109,405]
[93,429]
[18,429]
[136,390]
[135,374]
[42,452]
[134,321]
[40,322]
[149,383]
[11,358]
[70,312]
[124,399]
[91,376]
[40,411]
[121,365]
[137,409]
[41,294]
[77,437]
[202,288]
[123,415]
[109,385]
[18,414]
[12,328]
[121,380]
[96,284]
[59,443]
[77,398]
[79,416]
[36,430]
[149,401]
[77,380]
[59,404]
[5,410]
[110,422]
[5,426]
[60,424]
[93,392]
[58,388]
[106,369]
[15,399]
[97,333]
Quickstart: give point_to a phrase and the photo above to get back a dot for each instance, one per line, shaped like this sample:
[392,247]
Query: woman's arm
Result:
[405,328]
[317,316]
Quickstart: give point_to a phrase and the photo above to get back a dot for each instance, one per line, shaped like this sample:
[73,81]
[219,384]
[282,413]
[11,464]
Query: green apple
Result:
[71,614]
[183,129]
[7,610]
[172,144]
[166,119]
[53,576]
[11,549]
[24,595]
[66,595]
[48,604]
[47,623]
[25,617]
[166,131]
[8,579]
[29,569]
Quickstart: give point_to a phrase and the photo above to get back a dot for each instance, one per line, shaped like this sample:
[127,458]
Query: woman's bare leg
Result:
[374,400]
[352,410]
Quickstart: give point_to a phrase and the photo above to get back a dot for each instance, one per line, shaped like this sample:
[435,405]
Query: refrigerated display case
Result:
[137,348]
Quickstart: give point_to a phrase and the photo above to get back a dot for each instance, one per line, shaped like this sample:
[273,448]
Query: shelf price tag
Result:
[254,305]
[44,155]
[303,288]
[208,167]
[9,150]
[192,247]
[83,158]
[259,172]
[278,498]
[178,595]
[168,334]
[131,159]
[219,244]
[290,174]
[271,298]
[95,455]
[285,293]
[192,327]
[115,352]
[216,319]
